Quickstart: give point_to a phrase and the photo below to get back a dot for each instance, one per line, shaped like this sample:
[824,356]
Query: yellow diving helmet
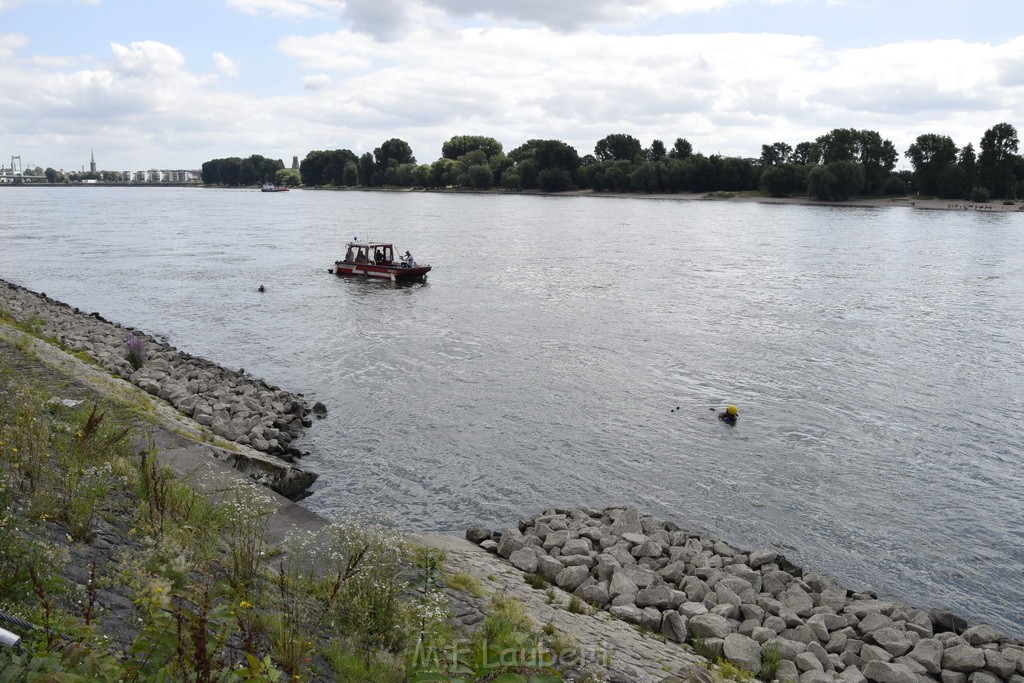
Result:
[731,410]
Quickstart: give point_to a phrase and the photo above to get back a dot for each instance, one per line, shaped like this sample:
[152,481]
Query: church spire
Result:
[92,161]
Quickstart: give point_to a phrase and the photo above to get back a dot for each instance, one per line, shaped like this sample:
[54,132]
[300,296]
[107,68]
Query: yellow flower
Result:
[245,604]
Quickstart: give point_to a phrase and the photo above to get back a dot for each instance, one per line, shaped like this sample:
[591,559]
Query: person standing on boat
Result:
[730,415]
[349,255]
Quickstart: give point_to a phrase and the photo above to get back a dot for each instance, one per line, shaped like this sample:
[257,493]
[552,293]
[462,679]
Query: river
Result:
[574,350]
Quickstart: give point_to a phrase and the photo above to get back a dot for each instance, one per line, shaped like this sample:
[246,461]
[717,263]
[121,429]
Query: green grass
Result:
[466,583]
[536,581]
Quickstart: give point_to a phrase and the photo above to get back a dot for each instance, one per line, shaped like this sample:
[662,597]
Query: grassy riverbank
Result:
[126,572]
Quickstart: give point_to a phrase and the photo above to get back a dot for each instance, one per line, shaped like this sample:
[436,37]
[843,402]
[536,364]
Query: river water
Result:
[572,350]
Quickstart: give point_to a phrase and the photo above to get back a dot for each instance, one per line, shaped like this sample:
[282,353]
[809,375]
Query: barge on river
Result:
[377,260]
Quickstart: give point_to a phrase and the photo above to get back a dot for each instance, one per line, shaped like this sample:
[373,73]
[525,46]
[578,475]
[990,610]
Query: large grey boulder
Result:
[621,584]
[893,640]
[787,672]
[762,557]
[641,576]
[742,651]
[888,672]
[511,540]
[709,626]
[596,595]
[576,546]
[875,653]
[628,613]
[873,621]
[660,596]
[548,567]
[999,663]
[984,677]
[928,653]
[963,658]
[805,661]
[524,559]
[979,635]
[650,617]
[627,521]
[570,578]
[787,649]
[556,539]
[852,674]
[1017,655]
[673,627]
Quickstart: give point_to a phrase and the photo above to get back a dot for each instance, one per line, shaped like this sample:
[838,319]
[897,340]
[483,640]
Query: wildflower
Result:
[245,604]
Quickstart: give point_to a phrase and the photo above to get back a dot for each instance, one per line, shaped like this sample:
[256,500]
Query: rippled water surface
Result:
[569,350]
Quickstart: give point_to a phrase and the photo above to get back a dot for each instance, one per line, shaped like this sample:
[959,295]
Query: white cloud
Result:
[225,65]
[8,4]
[10,42]
[340,51]
[292,9]
[570,15]
[317,82]
[146,58]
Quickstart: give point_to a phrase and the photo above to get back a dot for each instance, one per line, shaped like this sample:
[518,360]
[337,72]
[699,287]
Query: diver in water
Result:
[730,415]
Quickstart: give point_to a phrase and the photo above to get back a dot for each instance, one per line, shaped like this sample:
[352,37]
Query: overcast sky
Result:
[160,84]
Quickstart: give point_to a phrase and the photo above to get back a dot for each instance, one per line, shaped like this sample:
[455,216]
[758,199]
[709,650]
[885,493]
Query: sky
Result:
[152,84]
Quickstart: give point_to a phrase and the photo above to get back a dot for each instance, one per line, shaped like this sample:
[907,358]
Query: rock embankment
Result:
[744,606]
[233,406]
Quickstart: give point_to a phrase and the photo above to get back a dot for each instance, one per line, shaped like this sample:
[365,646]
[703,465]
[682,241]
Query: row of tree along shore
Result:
[838,165]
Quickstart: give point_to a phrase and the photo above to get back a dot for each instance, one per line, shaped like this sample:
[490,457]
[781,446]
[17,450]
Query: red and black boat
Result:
[378,260]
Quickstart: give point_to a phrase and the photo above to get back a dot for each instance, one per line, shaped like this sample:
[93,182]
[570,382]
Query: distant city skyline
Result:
[180,83]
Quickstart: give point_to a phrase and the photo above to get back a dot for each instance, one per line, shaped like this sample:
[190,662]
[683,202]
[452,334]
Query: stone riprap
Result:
[231,405]
[741,605]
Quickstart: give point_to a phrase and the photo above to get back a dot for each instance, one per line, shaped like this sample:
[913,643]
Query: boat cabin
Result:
[377,253]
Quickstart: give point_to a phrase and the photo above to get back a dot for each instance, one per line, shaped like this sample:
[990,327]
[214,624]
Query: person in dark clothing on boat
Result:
[730,415]
[349,254]
[378,256]
[361,256]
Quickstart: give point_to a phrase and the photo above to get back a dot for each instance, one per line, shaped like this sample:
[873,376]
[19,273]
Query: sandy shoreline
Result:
[927,203]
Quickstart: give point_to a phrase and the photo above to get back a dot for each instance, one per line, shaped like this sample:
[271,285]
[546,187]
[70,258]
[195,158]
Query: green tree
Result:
[775,153]
[480,177]
[393,152]
[460,145]
[535,156]
[680,149]
[997,160]
[698,173]
[838,180]
[932,157]
[806,153]
[894,186]
[780,180]
[657,151]
[366,169]
[289,177]
[839,144]
[877,158]
[51,175]
[733,174]
[617,147]
[554,180]
[646,177]
[967,162]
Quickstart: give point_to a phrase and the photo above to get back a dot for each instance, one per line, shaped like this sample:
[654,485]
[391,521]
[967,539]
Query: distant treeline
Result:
[840,164]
